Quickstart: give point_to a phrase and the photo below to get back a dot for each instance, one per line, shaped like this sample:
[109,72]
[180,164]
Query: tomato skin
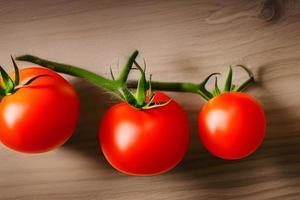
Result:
[40,116]
[144,142]
[232,125]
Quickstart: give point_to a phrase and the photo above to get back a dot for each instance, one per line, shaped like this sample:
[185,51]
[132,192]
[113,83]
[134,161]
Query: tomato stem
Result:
[126,69]
[176,87]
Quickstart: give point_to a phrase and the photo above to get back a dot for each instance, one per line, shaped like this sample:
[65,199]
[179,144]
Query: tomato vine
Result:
[231,124]
[120,86]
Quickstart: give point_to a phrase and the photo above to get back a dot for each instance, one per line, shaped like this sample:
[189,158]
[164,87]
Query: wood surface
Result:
[181,41]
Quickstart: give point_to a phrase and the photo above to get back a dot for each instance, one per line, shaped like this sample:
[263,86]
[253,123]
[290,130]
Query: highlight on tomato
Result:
[232,124]
[39,109]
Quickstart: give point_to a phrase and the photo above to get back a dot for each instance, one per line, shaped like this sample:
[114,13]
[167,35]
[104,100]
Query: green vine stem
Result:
[118,85]
[82,73]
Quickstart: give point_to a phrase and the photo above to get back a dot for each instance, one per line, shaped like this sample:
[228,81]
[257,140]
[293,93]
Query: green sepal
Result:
[216,91]
[249,81]
[128,96]
[202,87]
[150,91]
[228,82]
[141,87]
[8,82]
[126,69]
[29,81]
[156,105]
[152,104]
[34,78]
[17,73]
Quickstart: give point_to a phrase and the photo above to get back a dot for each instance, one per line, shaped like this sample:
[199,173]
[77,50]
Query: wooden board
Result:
[180,40]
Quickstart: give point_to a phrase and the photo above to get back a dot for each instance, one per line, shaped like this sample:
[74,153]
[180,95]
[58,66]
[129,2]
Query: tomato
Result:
[40,116]
[232,125]
[144,142]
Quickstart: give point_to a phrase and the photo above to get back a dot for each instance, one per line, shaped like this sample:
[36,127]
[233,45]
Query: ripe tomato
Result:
[144,142]
[232,125]
[40,116]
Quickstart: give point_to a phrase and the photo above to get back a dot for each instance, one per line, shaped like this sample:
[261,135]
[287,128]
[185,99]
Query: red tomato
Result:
[144,142]
[42,115]
[232,125]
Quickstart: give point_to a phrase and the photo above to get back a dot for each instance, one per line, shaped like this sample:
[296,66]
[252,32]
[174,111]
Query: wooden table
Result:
[182,41]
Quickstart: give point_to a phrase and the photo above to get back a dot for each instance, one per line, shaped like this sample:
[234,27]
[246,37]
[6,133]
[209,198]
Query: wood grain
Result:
[180,40]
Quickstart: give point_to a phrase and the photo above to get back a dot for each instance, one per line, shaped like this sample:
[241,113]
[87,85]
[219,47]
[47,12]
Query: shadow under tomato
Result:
[207,172]
[283,117]
[93,104]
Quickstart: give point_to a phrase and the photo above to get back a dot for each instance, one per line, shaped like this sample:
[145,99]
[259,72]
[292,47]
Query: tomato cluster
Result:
[146,134]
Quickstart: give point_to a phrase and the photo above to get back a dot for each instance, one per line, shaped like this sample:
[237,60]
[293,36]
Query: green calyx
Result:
[138,98]
[228,87]
[11,85]
[143,96]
